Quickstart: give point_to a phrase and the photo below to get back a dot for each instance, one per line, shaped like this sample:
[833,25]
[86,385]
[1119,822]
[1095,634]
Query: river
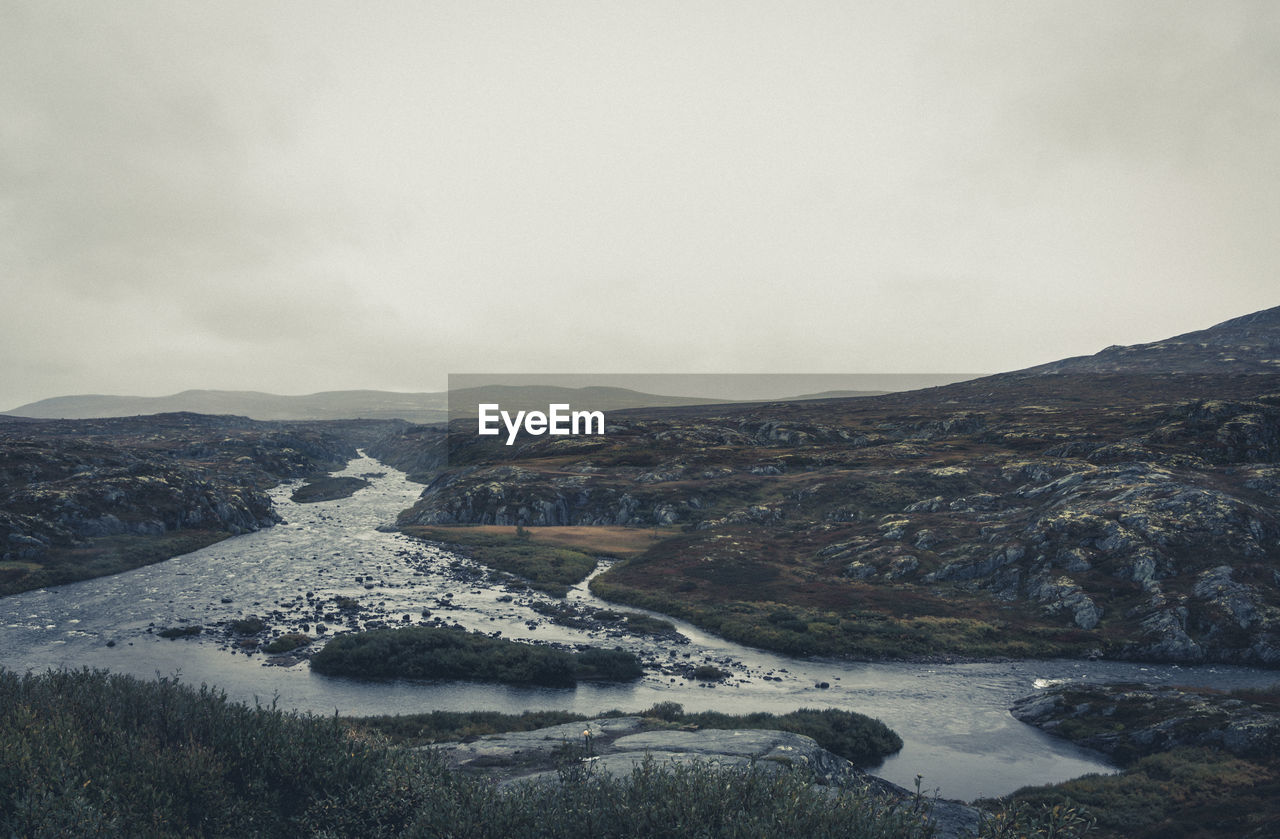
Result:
[953,719]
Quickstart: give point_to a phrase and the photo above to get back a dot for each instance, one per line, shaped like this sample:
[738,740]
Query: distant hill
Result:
[463,401]
[835,394]
[1247,344]
[422,408]
[345,404]
[336,404]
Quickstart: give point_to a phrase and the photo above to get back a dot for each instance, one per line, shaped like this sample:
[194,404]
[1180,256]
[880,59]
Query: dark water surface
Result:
[954,718]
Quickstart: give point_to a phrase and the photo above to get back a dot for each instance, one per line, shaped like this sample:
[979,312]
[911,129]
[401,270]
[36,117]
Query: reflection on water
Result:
[953,718]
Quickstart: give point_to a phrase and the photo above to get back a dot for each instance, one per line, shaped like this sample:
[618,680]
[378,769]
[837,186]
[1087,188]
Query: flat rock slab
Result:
[617,745]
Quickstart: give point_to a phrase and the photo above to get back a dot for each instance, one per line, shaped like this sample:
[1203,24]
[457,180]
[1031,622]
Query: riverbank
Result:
[1192,760]
[953,718]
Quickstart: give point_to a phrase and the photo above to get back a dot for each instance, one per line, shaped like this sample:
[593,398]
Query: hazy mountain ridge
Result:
[338,404]
[421,408]
[463,401]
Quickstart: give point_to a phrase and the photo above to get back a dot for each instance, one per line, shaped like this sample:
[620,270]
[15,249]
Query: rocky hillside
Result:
[84,498]
[1132,515]
[1248,344]
[419,450]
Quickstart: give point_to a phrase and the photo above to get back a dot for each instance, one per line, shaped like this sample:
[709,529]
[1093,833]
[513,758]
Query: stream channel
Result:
[953,718]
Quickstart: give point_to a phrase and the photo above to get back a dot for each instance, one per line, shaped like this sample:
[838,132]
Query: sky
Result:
[297,197]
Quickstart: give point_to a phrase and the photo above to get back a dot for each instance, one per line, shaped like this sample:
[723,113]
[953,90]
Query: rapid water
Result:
[954,719]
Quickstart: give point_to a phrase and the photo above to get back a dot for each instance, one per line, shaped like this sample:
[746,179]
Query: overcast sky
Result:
[295,197]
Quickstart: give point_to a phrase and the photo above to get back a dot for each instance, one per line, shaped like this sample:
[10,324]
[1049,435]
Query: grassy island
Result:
[327,489]
[426,652]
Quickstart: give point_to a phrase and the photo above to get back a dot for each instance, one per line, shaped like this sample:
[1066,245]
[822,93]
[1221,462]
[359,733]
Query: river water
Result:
[954,719]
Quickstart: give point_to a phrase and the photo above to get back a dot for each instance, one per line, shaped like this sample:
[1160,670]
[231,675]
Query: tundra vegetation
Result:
[1195,762]
[170,760]
[426,652]
[543,567]
[1132,516]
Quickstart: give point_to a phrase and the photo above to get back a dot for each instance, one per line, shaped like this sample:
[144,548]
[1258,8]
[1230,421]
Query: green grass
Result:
[553,570]
[423,652]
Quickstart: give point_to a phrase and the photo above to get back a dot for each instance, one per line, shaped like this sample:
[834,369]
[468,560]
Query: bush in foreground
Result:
[91,754]
[87,753]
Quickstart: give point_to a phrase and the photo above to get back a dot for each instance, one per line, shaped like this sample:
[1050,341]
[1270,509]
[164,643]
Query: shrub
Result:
[251,625]
[288,642]
[856,737]
[89,753]
[167,760]
[425,652]
[675,800]
[668,711]
[607,665]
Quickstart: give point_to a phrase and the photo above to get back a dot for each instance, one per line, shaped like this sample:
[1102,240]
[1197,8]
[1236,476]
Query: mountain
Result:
[422,408]
[1248,344]
[1122,505]
[463,401]
[836,394]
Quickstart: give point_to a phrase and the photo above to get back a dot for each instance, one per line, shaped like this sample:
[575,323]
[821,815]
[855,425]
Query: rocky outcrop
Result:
[64,484]
[509,495]
[1247,344]
[616,745]
[421,451]
[1130,721]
